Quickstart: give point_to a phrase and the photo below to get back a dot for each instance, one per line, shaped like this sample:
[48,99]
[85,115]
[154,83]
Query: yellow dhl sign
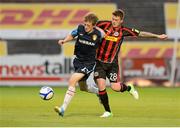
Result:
[49,16]
[111,38]
[171,15]
[148,50]
[3,48]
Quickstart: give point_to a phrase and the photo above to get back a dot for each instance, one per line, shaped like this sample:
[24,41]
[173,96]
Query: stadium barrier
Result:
[139,60]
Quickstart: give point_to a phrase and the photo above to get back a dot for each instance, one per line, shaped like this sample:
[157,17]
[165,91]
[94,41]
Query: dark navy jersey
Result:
[86,44]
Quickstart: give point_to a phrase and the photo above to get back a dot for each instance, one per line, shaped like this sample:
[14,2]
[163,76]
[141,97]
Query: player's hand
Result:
[61,42]
[163,36]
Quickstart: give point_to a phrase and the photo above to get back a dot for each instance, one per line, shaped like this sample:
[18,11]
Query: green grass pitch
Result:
[22,106]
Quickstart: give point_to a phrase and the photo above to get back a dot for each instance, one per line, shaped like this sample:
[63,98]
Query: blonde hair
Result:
[91,17]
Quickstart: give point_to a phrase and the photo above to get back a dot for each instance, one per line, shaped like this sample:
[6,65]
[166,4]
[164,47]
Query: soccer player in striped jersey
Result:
[107,57]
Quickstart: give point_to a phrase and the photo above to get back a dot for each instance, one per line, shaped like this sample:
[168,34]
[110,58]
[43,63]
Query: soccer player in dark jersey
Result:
[88,38]
[107,57]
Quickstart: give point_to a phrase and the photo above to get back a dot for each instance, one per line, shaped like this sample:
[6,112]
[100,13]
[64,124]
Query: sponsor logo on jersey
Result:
[86,42]
[111,38]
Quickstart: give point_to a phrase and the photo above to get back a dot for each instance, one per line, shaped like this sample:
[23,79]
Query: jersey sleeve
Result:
[130,32]
[102,24]
[99,23]
[74,33]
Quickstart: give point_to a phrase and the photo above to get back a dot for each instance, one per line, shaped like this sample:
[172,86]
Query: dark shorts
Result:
[109,70]
[83,67]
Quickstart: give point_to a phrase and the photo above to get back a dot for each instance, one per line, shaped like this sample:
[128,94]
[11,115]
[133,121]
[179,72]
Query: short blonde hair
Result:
[91,17]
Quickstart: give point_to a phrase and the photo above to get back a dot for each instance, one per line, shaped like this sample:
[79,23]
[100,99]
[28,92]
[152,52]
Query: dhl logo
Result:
[49,16]
[171,14]
[111,38]
[148,50]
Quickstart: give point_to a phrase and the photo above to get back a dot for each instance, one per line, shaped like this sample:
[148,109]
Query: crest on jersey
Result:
[94,37]
[116,34]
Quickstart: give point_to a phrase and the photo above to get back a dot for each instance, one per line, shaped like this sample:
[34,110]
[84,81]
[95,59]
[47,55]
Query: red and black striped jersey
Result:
[110,45]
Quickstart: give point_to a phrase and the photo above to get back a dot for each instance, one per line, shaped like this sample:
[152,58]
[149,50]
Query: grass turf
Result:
[22,106]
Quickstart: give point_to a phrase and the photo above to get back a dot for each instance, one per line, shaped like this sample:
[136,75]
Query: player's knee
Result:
[72,82]
[115,87]
[102,87]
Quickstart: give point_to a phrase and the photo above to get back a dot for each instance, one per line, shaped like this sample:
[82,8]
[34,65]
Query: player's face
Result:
[116,21]
[88,26]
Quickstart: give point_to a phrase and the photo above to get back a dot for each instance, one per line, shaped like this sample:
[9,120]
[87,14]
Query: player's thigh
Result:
[75,78]
[99,71]
[82,67]
[100,75]
[85,68]
[113,73]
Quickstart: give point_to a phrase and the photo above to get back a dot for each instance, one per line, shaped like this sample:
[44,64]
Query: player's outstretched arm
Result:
[152,35]
[67,38]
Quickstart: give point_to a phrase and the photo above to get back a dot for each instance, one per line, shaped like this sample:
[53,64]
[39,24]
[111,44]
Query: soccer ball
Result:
[46,93]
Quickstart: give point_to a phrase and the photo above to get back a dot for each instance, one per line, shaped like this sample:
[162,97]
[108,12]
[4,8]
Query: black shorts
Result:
[83,67]
[109,70]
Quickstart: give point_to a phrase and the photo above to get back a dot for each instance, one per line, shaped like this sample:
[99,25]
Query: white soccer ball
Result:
[46,93]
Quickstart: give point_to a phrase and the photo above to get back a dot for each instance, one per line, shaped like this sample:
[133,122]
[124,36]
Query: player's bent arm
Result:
[67,38]
[152,35]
